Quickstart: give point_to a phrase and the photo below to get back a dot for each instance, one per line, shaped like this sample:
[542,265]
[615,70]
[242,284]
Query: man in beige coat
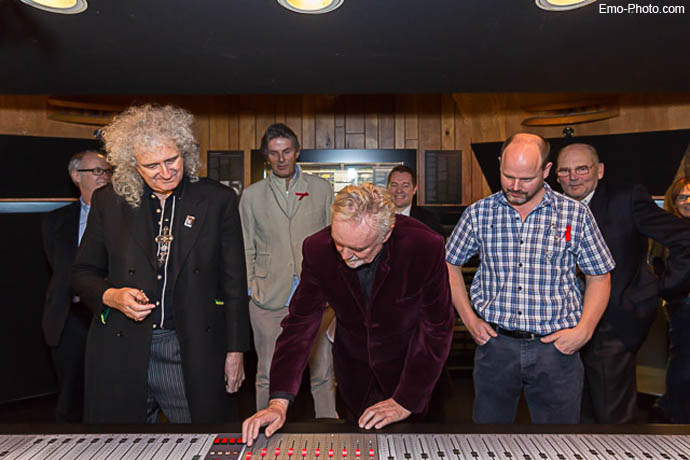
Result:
[277,214]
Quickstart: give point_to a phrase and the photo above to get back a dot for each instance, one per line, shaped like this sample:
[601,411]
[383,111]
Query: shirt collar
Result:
[83,204]
[177,192]
[588,199]
[546,200]
[406,211]
[281,180]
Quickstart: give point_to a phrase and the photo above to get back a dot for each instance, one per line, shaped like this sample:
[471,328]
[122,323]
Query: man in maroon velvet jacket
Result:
[386,279]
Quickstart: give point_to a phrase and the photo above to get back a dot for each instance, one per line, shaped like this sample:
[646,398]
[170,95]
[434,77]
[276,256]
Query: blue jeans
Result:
[552,381]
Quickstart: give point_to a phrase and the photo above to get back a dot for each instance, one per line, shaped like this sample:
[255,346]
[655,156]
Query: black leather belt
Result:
[515,334]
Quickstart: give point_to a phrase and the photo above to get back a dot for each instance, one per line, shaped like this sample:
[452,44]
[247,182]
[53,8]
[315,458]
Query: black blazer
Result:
[429,218]
[210,292]
[627,216]
[60,230]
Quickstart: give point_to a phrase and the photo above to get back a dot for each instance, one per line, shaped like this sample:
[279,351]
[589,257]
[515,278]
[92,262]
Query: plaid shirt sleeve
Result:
[463,242]
[594,256]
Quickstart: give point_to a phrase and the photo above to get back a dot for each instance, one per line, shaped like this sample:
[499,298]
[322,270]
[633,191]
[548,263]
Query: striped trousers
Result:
[165,385]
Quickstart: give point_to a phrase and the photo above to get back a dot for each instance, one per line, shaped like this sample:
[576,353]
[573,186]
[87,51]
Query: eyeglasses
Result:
[682,198]
[98,172]
[580,171]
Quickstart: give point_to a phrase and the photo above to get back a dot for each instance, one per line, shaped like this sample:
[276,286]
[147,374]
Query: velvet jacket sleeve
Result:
[430,345]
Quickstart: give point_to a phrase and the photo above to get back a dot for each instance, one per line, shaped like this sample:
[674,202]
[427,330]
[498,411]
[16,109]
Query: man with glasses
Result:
[65,319]
[627,217]
[526,314]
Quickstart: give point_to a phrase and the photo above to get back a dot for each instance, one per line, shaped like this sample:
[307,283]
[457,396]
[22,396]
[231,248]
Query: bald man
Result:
[627,217]
[527,314]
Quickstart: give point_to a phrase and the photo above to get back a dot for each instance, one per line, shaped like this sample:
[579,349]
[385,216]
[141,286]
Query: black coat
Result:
[429,218]
[117,250]
[627,216]
[60,230]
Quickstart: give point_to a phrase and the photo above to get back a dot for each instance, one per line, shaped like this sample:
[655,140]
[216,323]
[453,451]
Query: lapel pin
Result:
[301,195]
[189,221]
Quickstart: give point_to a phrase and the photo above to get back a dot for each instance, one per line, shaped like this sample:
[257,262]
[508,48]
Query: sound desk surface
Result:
[346,446]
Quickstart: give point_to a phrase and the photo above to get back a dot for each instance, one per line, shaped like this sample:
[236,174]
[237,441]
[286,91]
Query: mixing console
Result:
[228,446]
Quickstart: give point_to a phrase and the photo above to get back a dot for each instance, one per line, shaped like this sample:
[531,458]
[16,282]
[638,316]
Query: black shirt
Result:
[164,220]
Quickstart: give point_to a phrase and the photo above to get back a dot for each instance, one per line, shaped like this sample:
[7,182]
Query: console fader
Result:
[344,446]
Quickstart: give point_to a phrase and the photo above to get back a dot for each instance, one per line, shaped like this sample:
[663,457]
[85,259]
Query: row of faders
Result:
[105,447]
[345,447]
[532,447]
[313,447]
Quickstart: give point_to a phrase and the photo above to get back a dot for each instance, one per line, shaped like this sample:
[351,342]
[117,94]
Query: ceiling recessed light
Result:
[562,5]
[311,6]
[58,6]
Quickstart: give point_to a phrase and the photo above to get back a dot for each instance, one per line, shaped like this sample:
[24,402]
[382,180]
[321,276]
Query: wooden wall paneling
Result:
[387,122]
[27,116]
[463,142]
[400,121]
[372,109]
[202,133]
[219,124]
[324,125]
[280,101]
[411,121]
[293,114]
[339,119]
[429,122]
[354,141]
[265,115]
[429,134]
[233,122]
[308,122]
[354,122]
[354,114]
[247,133]
[447,122]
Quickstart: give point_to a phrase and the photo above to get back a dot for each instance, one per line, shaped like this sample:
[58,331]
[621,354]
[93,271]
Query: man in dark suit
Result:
[385,277]
[627,217]
[65,318]
[161,267]
[402,184]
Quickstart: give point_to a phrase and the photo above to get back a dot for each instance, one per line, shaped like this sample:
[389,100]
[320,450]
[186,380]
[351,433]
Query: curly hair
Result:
[365,202]
[672,193]
[144,127]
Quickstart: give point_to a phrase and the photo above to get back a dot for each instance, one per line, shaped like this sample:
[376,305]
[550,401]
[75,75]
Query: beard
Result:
[354,262]
[518,197]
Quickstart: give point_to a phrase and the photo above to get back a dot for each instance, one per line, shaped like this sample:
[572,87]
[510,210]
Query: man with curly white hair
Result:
[385,277]
[161,267]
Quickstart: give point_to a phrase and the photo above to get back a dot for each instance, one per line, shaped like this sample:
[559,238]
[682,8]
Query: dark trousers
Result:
[68,360]
[610,392]
[506,366]
[676,402]
[165,380]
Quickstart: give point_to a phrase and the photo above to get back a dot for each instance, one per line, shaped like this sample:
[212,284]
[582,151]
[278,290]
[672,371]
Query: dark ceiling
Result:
[366,46]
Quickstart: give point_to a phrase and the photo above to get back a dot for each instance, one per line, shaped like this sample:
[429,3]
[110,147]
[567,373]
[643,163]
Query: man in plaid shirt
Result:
[528,315]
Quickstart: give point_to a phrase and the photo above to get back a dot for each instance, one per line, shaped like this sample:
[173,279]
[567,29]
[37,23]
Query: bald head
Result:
[523,170]
[527,140]
[578,170]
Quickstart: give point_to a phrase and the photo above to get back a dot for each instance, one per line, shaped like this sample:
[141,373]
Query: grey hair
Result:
[365,202]
[77,158]
[148,126]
